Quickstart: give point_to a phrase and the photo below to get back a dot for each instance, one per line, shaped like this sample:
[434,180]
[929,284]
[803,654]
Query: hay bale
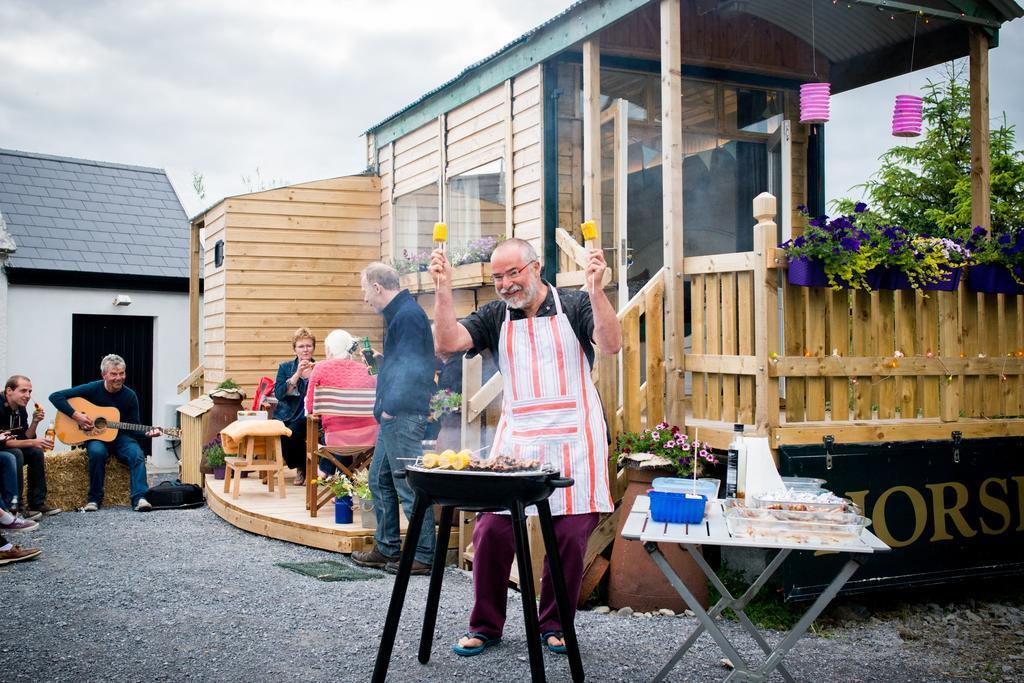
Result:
[67,480]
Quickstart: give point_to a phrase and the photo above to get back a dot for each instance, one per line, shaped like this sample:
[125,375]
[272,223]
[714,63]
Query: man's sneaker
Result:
[19,524]
[143,505]
[372,558]
[418,568]
[91,507]
[29,515]
[16,554]
[43,510]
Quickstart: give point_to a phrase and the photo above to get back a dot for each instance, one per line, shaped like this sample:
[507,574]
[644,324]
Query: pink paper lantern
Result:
[814,102]
[906,116]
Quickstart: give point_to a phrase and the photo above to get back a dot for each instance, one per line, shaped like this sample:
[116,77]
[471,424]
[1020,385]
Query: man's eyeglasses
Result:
[511,273]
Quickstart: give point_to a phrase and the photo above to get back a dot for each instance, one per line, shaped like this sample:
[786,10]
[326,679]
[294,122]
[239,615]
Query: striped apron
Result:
[551,411]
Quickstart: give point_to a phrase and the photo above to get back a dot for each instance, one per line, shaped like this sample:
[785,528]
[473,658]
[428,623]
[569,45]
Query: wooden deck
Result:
[286,519]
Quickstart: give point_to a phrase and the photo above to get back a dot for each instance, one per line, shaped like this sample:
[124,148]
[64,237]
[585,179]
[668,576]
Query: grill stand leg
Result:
[547,528]
[387,637]
[444,531]
[530,619]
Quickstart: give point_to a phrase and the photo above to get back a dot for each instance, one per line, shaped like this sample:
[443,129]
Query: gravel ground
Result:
[179,595]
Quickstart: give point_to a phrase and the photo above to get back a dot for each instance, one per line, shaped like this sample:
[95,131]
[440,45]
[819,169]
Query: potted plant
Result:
[634,580]
[476,251]
[227,401]
[842,252]
[364,498]
[444,405]
[341,487]
[921,261]
[213,452]
[999,263]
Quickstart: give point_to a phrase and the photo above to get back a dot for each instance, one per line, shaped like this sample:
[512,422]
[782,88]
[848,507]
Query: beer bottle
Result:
[371,362]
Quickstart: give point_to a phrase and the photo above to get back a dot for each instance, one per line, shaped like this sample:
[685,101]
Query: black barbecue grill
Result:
[481,491]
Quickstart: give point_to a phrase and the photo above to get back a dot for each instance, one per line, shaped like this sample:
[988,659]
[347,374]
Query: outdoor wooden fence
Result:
[860,366]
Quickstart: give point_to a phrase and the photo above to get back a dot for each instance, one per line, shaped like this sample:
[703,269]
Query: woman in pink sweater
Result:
[342,371]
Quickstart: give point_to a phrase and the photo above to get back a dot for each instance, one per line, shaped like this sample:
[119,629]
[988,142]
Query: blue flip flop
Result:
[485,642]
[557,649]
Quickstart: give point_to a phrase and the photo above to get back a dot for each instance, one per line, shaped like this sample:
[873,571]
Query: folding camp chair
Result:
[334,401]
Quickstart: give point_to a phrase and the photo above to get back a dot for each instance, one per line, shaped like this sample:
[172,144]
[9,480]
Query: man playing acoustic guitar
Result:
[110,392]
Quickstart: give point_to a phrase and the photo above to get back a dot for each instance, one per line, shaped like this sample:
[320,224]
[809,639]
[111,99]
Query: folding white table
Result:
[713,531]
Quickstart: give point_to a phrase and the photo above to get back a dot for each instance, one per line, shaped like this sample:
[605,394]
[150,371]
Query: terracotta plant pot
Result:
[634,580]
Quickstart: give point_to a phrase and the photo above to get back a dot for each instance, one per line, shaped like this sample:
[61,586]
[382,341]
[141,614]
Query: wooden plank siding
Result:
[292,259]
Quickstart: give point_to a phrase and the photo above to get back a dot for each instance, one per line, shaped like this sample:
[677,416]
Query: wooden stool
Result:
[271,464]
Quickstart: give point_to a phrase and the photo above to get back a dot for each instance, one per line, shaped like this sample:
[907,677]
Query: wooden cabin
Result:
[675,125]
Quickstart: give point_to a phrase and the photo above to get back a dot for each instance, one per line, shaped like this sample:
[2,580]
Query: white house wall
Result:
[43,352]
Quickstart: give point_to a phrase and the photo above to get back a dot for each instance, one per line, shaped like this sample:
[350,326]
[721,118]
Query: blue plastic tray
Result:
[676,508]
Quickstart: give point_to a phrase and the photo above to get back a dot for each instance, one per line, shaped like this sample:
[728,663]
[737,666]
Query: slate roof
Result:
[92,216]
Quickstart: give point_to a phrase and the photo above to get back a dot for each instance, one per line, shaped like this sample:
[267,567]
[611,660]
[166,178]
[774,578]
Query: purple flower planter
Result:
[807,272]
[993,279]
[896,279]
[218,472]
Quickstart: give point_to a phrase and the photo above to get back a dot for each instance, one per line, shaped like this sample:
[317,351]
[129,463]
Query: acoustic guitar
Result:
[106,424]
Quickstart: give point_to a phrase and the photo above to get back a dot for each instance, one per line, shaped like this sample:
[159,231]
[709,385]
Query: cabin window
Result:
[414,215]
[476,207]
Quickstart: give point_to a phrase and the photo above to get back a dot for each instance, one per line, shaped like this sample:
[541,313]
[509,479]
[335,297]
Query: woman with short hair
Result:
[342,370]
[290,390]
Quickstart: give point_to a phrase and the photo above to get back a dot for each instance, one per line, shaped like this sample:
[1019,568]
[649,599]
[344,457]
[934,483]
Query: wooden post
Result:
[591,134]
[766,317]
[980,156]
[195,259]
[442,176]
[672,208]
[509,167]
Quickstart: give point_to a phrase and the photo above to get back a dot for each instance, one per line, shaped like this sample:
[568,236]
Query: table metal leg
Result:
[737,605]
[526,591]
[387,637]
[444,531]
[819,605]
[702,616]
[547,528]
[725,602]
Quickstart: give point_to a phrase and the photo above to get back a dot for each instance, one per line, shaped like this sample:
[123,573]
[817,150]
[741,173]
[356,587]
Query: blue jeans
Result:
[8,478]
[399,437]
[127,450]
[36,493]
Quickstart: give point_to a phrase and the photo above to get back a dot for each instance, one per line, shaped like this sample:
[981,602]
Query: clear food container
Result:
[804,483]
[785,531]
[802,501]
[735,508]
[704,487]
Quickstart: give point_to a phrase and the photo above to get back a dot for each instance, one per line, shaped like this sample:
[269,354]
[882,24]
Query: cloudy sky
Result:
[282,91]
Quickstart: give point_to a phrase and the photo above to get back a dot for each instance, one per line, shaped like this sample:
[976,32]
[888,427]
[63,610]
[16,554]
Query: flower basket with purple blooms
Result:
[444,402]
[1000,263]
[847,249]
[664,446]
[477,251]
[411,261]
[921,261]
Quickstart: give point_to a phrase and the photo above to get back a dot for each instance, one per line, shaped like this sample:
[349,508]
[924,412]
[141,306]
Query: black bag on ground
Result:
[173,495]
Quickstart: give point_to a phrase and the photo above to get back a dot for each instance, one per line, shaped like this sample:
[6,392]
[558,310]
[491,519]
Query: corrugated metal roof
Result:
[842,31]
[473,67]
[69,214]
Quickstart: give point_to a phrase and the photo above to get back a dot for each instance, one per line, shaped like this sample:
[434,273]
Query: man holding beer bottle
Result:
[26,448]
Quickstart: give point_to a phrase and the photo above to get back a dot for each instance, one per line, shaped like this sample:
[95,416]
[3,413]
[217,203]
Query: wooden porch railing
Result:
[861,366]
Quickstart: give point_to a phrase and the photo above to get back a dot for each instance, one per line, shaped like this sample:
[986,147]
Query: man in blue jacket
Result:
[110,392]
[404,387]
